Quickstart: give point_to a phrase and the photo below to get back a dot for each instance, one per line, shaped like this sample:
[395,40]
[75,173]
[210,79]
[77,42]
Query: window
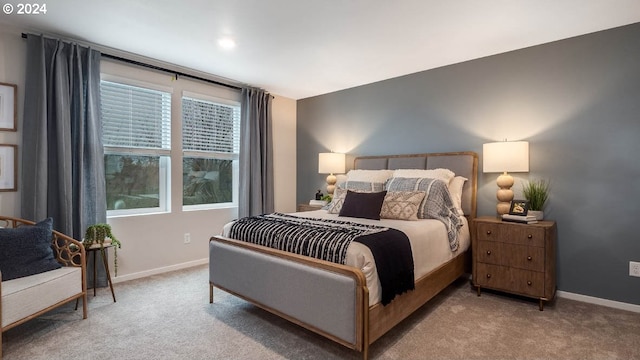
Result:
[136,136]
[211,145]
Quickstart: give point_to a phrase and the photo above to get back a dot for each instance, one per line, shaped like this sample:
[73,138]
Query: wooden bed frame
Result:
[371,322]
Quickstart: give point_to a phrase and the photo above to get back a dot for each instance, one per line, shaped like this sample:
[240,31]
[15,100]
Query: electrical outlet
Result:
[187,238]
[634,268]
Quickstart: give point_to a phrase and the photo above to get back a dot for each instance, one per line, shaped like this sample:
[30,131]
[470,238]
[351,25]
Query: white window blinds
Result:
[135,117]
[210,127]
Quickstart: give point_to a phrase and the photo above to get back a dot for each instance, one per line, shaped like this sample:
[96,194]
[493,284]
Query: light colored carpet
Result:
[168,316]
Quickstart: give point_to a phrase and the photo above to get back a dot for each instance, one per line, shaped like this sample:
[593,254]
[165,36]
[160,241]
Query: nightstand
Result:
[515,258]
[307,207]
[95,248]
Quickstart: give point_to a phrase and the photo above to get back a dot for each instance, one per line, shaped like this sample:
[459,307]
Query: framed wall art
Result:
[8,167]
[8,108]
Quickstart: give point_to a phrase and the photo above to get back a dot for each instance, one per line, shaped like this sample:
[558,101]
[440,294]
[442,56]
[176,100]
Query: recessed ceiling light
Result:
[227,43]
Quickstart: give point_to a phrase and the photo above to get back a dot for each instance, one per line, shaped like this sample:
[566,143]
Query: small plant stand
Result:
[95,248]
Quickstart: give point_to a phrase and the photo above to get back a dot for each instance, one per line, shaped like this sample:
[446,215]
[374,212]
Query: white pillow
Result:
[442,174]
[455,190]
[374,176]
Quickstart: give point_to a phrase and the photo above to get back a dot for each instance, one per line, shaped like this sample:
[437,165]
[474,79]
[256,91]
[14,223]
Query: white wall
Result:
[155,243]
[12,70]
[284,153]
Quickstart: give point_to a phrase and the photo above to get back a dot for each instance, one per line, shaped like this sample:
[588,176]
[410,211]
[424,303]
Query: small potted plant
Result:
[537,193]
[100,234]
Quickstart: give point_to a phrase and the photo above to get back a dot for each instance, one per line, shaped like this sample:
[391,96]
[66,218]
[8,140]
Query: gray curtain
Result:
[62,153]
[256,154]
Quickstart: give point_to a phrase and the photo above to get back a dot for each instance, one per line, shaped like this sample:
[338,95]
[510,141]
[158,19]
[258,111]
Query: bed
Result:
[342,302]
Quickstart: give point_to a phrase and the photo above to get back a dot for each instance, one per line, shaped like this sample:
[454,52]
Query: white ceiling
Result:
[302,48]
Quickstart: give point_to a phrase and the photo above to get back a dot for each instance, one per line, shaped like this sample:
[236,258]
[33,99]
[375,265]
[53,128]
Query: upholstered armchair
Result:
[41,269]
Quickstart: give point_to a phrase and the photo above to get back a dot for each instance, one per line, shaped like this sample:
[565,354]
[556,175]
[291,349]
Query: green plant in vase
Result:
[99,234]
[536,192]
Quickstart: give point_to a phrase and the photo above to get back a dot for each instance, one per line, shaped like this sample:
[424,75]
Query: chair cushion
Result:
[26,296]
[26,250]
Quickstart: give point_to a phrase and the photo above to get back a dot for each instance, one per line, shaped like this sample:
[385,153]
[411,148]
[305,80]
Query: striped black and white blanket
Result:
[328,240]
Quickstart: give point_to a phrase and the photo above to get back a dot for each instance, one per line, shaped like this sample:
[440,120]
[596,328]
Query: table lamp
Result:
[505,156]
[331,163]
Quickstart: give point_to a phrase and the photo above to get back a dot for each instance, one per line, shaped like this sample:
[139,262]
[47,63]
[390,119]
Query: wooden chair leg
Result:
[84,305]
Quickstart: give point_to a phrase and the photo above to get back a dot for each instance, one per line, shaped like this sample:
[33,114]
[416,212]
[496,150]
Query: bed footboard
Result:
[329,299]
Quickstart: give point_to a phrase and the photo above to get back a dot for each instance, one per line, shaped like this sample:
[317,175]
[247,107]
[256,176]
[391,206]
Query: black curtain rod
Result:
[176,73]
[149,66]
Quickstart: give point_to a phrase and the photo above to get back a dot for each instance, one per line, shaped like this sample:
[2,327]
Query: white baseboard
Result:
[599,301]
[156,271]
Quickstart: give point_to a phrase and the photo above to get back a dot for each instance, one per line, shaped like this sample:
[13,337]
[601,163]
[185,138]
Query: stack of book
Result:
[523,219]
[317,202]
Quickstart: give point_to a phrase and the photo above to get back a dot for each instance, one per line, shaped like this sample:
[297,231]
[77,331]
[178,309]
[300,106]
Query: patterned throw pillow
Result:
[402,205]
[338,200]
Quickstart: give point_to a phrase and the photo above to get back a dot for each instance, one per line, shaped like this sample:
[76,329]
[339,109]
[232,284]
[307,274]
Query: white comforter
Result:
[429,244]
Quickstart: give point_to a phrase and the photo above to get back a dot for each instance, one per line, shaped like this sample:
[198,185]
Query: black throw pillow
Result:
[366,205]
[26,250]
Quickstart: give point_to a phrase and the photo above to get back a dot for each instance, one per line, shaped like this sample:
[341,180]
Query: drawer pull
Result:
[529,283]
[488,232]
[488,252]
[529,236]
[488,276]
[529,258]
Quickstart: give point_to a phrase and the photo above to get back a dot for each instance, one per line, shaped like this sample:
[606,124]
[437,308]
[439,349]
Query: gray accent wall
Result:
[576,101]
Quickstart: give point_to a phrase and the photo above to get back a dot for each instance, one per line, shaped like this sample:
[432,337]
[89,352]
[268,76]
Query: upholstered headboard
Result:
[461,163]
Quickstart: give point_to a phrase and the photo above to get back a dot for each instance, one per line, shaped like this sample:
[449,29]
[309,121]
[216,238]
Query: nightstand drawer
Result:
[518,256]
[512,233]
[490,252]
[504,278]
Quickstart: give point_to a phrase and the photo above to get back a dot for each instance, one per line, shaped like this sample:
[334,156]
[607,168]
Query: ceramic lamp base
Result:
[331,184]
[504,194]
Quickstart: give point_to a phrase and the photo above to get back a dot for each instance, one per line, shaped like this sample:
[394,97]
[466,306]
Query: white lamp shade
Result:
[509,156]
[331,163]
